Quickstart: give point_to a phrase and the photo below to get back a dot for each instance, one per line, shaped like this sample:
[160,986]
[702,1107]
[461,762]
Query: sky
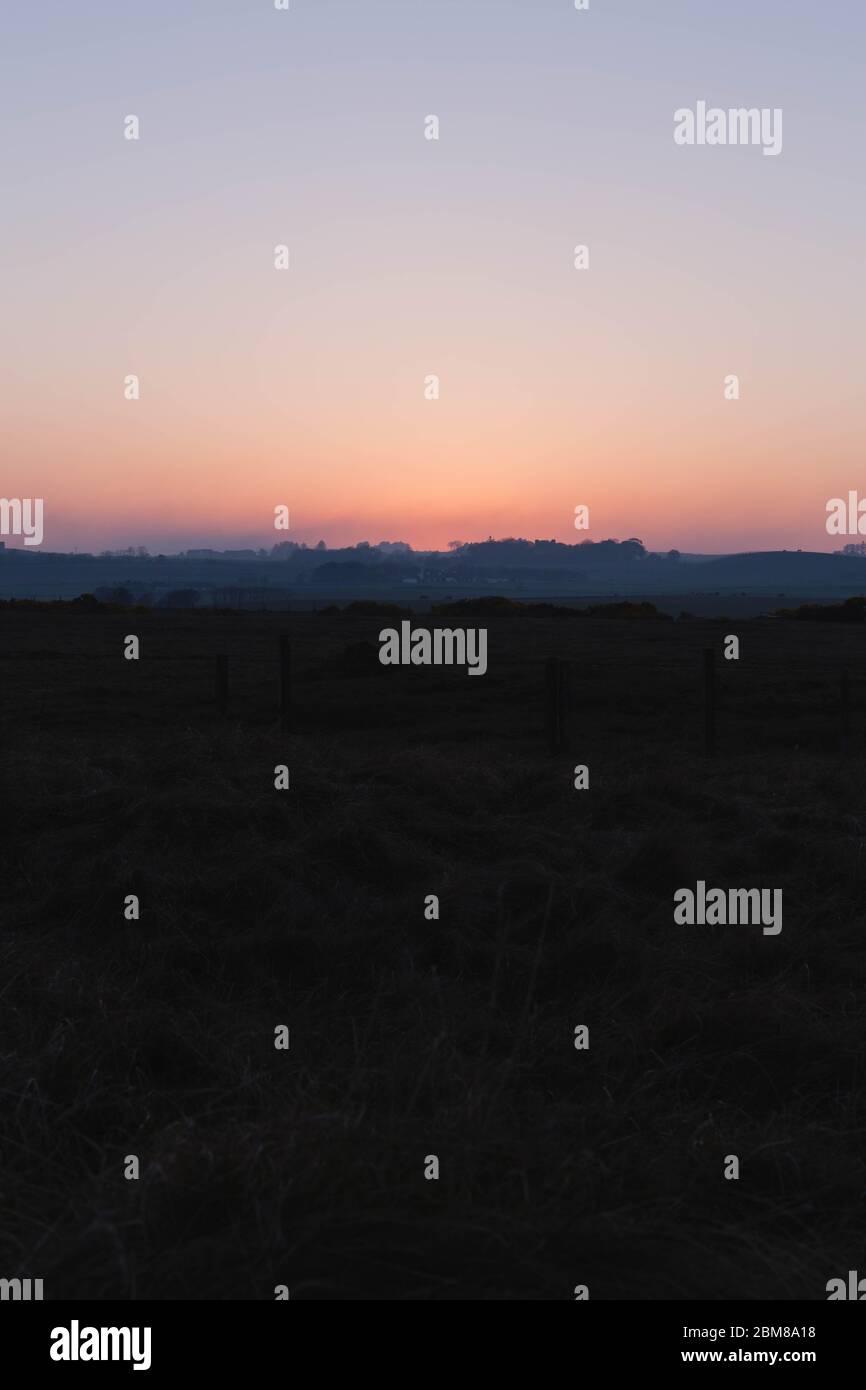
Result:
[410,258]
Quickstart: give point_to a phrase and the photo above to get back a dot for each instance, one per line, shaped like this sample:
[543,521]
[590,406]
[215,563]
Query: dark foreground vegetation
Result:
[412,1037]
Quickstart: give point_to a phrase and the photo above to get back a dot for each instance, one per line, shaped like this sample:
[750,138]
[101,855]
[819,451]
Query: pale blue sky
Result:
[556,127]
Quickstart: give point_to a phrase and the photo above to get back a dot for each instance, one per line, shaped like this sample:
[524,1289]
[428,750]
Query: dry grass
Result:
[410,1037]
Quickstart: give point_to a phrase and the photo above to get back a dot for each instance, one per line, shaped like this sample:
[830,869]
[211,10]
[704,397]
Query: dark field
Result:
[412,1037]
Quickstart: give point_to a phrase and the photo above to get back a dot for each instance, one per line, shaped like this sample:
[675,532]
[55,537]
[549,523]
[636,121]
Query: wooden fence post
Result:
[222,684]
[845,712]
[563,704]
[285,681]
[709,700]
[554,681]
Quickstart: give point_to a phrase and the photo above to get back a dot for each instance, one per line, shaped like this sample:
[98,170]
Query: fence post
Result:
[285,681]
[563,704]
[222,684]
[709,700]
[553,702]
[845,712]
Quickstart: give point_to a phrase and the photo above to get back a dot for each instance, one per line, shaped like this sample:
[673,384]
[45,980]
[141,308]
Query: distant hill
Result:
[515,567]
[780,566]
[550,555]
